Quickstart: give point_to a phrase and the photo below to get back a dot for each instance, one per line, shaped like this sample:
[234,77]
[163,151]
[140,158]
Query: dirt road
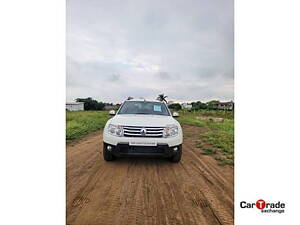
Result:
[146,191]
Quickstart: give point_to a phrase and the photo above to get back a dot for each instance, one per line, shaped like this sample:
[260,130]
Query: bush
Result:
[175,106]
[91,104]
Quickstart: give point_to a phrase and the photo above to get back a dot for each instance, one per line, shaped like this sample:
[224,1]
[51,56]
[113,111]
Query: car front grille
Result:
[144,132]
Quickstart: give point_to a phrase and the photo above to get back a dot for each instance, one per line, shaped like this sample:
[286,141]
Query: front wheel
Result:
[107,155]
[177,157]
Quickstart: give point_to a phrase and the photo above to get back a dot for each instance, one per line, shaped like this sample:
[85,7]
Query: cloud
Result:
[164,76]
[142,48]
[114,77]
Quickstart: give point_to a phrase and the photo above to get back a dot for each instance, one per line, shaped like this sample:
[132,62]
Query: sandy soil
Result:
[146,191]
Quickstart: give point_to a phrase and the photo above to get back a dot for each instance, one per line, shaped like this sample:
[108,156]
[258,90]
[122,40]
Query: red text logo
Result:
[260,204]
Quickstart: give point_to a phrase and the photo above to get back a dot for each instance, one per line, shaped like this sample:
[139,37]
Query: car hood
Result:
[143,120]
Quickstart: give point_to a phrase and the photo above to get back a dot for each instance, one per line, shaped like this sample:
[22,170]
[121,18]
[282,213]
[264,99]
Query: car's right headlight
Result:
[116,130]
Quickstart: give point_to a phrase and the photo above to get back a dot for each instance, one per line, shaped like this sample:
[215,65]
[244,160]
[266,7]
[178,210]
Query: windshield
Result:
[140,107]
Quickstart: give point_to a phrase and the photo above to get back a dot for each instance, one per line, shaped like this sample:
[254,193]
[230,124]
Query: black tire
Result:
[107,155]
[177,157]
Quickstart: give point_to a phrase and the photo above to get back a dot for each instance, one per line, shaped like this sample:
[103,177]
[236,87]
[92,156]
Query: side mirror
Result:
[175,114]
[112,112]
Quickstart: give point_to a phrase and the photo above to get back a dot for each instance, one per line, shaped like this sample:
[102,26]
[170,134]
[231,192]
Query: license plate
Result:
[138,143]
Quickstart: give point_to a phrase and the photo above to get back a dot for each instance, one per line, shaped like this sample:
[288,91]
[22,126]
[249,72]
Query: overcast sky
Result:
[141,48]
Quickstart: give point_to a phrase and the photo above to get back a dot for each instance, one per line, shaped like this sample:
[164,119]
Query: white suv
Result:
[142,128]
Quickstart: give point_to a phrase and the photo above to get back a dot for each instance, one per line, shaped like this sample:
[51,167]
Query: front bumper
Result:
[123,149]
[114,140]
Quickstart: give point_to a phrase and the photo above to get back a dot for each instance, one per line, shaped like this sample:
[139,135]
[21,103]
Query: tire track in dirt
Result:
[147,191]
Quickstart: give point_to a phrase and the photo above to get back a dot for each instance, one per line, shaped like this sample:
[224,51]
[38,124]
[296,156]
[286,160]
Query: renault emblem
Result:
[143,131]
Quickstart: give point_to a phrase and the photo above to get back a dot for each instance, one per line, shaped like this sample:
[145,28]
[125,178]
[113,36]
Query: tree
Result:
[175,106]
[198,105]
[162,98]
[100,105]
[212,104]
[91,104]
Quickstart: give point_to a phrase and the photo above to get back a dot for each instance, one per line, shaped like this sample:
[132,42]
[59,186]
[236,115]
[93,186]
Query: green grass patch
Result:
[208,151]
[80,123]
[199,144]
[220,135]
[210,113]
[224,161]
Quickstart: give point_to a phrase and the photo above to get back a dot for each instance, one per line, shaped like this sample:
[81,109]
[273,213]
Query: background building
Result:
[225,105]
[186,105]
[75,106]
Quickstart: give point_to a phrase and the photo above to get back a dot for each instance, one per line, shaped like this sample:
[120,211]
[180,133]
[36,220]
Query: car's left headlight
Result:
[170,131]
[116,130]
